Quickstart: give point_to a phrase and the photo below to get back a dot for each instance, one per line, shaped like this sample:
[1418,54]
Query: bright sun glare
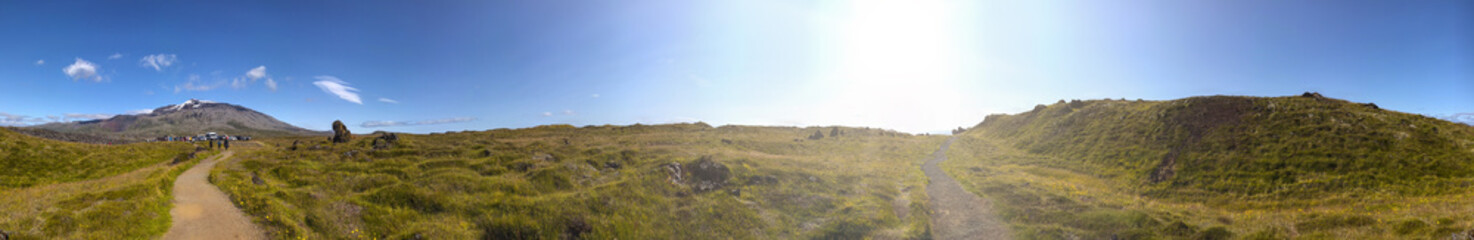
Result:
[897,63]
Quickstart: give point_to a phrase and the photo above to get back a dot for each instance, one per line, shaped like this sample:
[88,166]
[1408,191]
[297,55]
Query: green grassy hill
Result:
[61,190]
[596,182]
[1277,167]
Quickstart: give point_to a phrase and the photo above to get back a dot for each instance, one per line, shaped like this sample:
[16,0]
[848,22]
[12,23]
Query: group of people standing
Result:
[221,142]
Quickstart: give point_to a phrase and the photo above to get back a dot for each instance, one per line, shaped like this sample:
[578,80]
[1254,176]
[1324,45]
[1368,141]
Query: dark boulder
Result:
[707,175]
[294,145]
[1312,95]
[256,179]
[817,135]
[340,132]
[389,137]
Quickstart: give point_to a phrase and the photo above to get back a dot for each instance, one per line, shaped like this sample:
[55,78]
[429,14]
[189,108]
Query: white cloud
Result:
[256,73]
[547,114]
[1465,118]
[374,124]
[569,112]
[140,112]
[388,100]
[41,62]
[7,119]
[115,56]
[337,87]
[596,95]
[82,69]
[238,83]
[194,84]
[253,75]
[86,116]
[158,61]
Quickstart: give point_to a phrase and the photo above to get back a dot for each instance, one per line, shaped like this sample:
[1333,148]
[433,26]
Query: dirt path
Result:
[957,213]
[202,211]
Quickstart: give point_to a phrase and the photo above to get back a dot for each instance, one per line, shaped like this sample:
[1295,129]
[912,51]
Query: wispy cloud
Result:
[40,62]
[547,114]
[115,56]
[388,100]
[7,119]
[337,87]
[82,69]
[158,61]
[140,112]
[569,112]
[86,116]
[238,83]
[1465,118]
[375,124]
[194,84]
[596,95]
[251,77]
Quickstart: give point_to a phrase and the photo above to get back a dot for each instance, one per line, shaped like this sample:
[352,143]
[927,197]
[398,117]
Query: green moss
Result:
[1409,226]
[604,182]
[63,190]
[1258,165]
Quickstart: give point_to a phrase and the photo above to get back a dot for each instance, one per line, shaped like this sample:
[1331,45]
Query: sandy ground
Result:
[202,211]
[957,213]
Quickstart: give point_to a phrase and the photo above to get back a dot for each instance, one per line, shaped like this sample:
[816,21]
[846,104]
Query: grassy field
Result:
[61,190]
[597,182]
[1221,167]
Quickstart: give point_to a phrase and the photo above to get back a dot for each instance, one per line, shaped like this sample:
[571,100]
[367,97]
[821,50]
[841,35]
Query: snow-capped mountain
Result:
[185,119]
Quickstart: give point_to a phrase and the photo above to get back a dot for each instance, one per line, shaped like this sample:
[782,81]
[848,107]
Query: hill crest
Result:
[1248,146]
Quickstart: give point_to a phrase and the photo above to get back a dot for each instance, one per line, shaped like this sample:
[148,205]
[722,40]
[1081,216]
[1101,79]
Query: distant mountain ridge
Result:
[185,119]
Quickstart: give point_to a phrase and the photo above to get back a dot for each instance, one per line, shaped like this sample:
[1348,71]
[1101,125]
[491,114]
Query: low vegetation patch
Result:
[61,190]
[681,181]
[1221,167]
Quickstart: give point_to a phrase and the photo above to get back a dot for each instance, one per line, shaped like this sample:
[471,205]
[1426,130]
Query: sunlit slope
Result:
[595,182]
[1219,166]
[62,190]
[1246,146]
[28,161]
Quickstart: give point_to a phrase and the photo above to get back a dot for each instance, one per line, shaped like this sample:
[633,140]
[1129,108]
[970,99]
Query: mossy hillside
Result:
[1256,168]
[63,190]
[29,161]
[600,182]
[1247,146]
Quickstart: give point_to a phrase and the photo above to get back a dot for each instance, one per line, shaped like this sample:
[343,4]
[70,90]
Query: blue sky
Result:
[916,66]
